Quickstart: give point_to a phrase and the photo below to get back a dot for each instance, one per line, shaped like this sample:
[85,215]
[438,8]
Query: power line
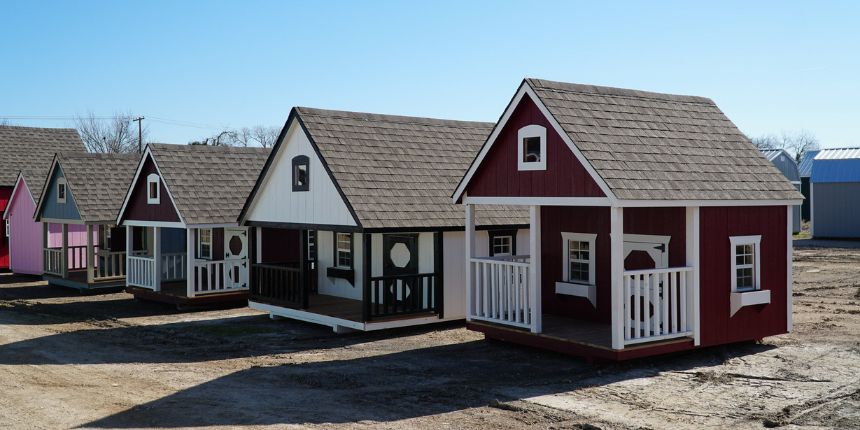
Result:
[174,122]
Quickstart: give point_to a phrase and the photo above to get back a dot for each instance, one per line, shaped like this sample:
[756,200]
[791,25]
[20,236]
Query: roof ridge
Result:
[25,127]
[628,93]
[403,119]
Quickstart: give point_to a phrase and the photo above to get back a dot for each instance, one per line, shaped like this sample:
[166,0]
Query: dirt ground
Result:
[69,360]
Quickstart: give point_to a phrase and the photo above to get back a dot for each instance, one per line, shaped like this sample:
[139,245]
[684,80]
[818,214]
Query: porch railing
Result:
[111,265]
[211,277]
[173,267]
[53,259]
[279,285]
[658,304]
[402,294]
[141,272]
[501,291]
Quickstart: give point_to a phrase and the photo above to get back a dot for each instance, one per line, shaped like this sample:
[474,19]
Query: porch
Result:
[630,308]
[93,265]
[159,268]
[289,284]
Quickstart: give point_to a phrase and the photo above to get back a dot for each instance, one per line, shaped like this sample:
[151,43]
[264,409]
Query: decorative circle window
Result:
[400,255]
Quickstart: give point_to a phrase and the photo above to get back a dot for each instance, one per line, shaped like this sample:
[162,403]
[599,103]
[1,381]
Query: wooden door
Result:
[643,252]
[236,258]
[400,259]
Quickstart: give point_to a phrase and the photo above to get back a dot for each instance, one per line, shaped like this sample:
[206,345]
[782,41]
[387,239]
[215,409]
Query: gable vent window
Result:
[301,173]
[153,190]
[531,150]
[61,191]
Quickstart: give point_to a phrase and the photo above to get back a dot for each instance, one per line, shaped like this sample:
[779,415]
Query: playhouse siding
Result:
[25,245]
[717,224]
[5,194]
[51,209]
[596,220]
[498,174]
[138,208]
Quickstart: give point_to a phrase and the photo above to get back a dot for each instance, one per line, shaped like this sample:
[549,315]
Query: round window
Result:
[400,255]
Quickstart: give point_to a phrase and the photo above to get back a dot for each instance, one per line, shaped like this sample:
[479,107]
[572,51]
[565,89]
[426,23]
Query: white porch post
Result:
[789,323]
[156,254]
[470,250]
[90,255]
[190,261]
[534,269]
[45,231]
[692,245]
[64,261]
[616,216]
[129,240]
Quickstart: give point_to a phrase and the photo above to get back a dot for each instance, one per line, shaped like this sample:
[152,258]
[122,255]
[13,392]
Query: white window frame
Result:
[62,182]
[592,256]
[528,131]
[200,244]
[153,179]
[755,241]
[8,223]
[338,250]
[509,244]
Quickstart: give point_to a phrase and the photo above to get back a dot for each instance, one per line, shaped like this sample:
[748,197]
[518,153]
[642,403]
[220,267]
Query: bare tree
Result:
[796,143]
[112,135]
[265,136]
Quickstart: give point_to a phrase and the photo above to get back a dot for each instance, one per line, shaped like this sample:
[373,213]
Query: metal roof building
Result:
[835,193]
[784,162]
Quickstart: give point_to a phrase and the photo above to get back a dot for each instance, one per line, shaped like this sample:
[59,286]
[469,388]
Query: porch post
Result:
[470,249]
[65,260]
[129,241]
[90,260]
[156,253]
[258,231]
[616,216]
[190,261]
[692,246]
[366,268]
[535,295]
[303,276]
[45,228]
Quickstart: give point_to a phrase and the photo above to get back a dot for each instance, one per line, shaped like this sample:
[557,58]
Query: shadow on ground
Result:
[391,387]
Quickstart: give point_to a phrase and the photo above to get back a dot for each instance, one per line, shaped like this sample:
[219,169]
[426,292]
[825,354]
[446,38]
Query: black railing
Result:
[402,295]
[279,285]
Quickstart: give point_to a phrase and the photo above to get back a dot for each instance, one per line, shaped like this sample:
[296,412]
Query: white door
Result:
[642,252]
[236,258]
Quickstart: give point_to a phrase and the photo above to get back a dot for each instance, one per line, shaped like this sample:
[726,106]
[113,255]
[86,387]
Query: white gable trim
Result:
[41,203]
[525,89]
[147,153]
[20,180]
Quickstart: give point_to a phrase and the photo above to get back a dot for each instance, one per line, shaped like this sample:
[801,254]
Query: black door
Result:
[400,259]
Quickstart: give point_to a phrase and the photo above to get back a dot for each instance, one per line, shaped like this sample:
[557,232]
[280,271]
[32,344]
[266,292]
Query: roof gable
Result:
[31,148]
[136,205]
[656,147]
[21,191]
[49,206]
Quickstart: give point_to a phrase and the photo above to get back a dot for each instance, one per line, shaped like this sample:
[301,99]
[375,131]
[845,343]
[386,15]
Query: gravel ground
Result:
[70,360]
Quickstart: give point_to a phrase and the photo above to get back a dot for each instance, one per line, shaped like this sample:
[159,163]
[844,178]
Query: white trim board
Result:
[538,201]
[20,179]
[603,201]
[167,224]
[525,89]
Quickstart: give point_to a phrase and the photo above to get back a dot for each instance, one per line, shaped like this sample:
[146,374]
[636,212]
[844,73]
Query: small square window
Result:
[579,264]
[301,173]
[61,191]
[531,150]
[745,263]
[502,245]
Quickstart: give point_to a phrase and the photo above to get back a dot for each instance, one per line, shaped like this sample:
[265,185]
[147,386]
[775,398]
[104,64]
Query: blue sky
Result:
[771,66]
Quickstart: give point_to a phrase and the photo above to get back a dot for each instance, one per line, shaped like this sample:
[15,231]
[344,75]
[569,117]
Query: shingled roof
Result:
[398,171]
[32,149]
[651,146]
[97,182]
[208,184]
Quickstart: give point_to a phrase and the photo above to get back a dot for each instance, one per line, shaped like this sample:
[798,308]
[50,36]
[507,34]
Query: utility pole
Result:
[139,133]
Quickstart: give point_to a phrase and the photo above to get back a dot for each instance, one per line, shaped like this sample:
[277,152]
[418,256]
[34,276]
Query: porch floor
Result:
[78,279]
[587,339]
[176,293]
[346,309]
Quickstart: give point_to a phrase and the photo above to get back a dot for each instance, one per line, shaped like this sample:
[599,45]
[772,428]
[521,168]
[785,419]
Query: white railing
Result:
[173,267]
[54,261]
[658,304]
[211,277]
[141,272]
[111,265]
[501,291]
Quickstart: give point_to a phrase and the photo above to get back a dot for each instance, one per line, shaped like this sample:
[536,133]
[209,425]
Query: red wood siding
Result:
[280,245]
[555,220]
[752,322]
[498,175]
[5,194]
[138,209]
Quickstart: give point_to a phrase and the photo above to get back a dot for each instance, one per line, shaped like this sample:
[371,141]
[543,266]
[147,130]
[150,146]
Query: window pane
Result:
[578,272]
[301,175]
[745,279]
[531,149]
[153,190]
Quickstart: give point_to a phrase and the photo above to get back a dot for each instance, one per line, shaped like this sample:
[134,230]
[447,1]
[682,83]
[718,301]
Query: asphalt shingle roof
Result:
[399,172]
[651,146]
[32,149]
[98,182]
[209,184]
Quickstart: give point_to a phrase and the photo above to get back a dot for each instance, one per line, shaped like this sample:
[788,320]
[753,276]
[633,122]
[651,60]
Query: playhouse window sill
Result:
[578,290]
[336,272]
[749,298]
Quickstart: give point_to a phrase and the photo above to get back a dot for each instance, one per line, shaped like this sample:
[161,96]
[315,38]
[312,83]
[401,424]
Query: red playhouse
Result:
[655,225]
